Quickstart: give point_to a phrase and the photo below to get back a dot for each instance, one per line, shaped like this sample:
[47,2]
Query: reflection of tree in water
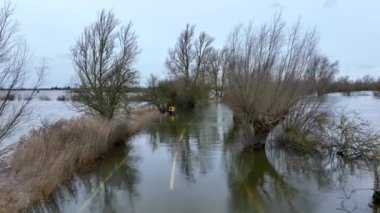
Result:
[270,181]
[100,188]
[192,136]
[307,167]
[255,186]
[328,172]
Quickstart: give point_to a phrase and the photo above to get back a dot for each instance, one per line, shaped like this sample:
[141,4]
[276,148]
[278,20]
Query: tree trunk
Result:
[257,137]
[376,188]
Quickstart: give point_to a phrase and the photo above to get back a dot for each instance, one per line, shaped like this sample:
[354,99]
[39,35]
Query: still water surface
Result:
[196,163]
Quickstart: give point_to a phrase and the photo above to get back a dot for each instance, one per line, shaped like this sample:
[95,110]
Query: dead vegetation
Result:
[49,156]
[309,129]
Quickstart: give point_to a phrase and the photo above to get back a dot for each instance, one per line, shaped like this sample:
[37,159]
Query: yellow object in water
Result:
[171,109]
[171,118]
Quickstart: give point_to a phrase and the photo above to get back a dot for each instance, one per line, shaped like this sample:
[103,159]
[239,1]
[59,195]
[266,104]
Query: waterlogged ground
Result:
[195,163]
[45,108]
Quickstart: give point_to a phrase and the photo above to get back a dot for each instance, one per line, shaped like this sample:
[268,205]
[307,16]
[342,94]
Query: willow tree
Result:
[321,73]
[13,71]
[266,74]
[104,58]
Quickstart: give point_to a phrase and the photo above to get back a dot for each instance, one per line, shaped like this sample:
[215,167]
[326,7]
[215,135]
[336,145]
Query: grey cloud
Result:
[65,55]
[366,66]
[276,5]
[330,3]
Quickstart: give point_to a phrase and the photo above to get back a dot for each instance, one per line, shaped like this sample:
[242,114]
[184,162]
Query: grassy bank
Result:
[50,155]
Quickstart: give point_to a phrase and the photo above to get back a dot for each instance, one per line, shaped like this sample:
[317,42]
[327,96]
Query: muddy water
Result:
[195,163]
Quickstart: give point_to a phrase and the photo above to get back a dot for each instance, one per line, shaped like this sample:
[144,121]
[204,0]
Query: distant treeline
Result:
[26,89]
[346,85]
[132,89]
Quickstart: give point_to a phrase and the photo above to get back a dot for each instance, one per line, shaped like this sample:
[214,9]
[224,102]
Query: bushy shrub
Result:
[343,133]
[296,140]
[181,95]
[301,123]
[61,98]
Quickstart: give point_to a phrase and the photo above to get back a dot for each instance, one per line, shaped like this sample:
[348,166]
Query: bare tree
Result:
[214,70]
[154,95]
[203,49]
[224,68]
[266,71]
[321,73]
[376,188]
[179,59]
[103,60]
[188,59]
[13,62]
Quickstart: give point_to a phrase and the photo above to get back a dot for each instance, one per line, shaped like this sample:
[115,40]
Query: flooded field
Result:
[195,163]
[46,107]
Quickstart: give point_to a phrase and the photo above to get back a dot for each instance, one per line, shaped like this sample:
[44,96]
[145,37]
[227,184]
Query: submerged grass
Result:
[49,156]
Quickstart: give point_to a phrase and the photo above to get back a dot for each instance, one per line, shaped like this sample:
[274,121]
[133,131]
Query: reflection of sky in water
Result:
[364,103]
[214,174]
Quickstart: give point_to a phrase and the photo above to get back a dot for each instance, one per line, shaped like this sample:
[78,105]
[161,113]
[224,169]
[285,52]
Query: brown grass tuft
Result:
[50,155]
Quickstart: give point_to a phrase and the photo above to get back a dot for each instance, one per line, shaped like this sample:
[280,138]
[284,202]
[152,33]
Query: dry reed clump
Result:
[50,155]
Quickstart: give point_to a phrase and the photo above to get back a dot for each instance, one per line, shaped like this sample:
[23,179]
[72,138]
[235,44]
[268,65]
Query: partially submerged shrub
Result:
[345,134]
[295,139]
[177,93]
[350,136]
[61,98]
[44,98]
[301,123]
[8,97]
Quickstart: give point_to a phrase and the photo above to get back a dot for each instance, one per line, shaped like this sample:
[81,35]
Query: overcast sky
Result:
[349,30]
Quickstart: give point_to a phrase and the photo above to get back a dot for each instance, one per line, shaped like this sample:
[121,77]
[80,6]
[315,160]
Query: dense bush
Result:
[61,98]
[175,92]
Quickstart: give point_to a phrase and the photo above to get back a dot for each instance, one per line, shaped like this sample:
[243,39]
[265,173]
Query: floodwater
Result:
[195,162]
[46,108]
